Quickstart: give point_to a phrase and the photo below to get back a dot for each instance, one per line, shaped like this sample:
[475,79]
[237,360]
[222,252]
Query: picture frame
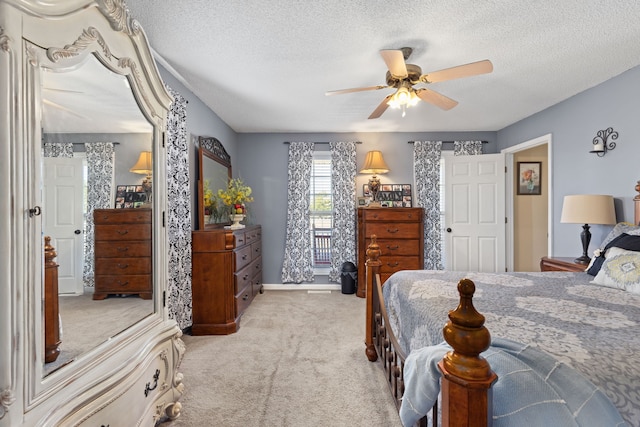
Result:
[130,196]
[529,179]
[391,195]
[363,201]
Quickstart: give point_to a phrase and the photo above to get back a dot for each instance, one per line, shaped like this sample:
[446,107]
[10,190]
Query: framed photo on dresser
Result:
[130,196]
[392,195]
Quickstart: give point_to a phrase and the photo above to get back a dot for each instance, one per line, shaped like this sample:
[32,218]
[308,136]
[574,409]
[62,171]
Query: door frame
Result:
[509,188]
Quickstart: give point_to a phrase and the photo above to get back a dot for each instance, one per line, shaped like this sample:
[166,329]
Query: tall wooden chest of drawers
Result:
[122,252]
[399,233]
[227,275]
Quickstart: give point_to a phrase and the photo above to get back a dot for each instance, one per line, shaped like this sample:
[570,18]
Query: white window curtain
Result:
[343,191]
[297,266]
[179,213]
[426,170]
[100,163]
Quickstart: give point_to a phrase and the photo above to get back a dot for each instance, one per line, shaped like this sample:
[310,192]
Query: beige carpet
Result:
[86,323]
[297,360]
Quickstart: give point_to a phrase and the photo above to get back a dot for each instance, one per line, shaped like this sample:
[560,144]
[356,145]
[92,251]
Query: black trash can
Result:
[349,278]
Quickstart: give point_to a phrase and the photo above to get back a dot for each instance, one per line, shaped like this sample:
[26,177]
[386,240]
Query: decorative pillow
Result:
[623,241]
[621,270]
[621,227]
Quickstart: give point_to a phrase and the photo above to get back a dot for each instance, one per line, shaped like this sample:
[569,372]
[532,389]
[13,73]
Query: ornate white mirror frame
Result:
[132,378]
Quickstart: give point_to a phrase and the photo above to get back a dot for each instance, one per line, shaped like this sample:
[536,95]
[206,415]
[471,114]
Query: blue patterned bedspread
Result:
[588,327]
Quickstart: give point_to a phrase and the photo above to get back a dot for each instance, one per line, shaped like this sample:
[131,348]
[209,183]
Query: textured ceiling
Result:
[264,66]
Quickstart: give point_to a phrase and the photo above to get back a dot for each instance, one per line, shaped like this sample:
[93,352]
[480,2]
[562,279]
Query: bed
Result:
[584,328]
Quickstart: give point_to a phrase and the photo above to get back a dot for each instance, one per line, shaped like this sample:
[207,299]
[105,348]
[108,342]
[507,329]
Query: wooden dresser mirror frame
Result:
[214,165]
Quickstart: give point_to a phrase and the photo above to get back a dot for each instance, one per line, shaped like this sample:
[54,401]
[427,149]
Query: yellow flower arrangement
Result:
[209,201]
[236,194]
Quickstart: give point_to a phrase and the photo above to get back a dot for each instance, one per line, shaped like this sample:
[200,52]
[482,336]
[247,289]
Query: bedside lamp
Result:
[144,167]
[374,164]
[587,209]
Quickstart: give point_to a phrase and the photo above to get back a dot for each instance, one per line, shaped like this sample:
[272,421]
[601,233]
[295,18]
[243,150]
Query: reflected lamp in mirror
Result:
[587,209]
[604,141]
[374,164]
[144,167]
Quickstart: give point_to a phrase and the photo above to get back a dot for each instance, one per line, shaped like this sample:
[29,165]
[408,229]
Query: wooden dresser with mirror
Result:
[226,263]
[79,72]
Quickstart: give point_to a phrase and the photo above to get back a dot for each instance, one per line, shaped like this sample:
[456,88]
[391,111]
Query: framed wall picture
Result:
[529,178]
[130,196]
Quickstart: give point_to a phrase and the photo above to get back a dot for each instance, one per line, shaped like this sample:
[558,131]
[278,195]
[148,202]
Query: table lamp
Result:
[374,164]
[587,209]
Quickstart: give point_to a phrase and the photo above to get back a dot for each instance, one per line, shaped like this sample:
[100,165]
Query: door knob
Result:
[77,232]
[448,229]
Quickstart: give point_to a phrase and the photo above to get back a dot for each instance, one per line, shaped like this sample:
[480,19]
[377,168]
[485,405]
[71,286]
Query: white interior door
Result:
[63,218]
[475,213]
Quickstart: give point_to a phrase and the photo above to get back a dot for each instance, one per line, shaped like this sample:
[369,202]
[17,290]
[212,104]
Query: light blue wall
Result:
[261,159]
[573,124]
[201,121]
[262,163]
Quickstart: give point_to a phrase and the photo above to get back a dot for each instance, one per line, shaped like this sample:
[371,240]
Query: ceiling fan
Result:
[402,77]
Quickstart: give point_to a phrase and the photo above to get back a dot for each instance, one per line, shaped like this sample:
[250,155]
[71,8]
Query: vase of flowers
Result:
[234,197]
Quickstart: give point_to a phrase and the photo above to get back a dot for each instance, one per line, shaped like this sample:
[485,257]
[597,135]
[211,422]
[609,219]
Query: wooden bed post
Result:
[372,268]
[466,376]
[51,319]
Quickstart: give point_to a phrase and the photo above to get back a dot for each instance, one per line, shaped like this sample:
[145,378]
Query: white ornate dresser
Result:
[51,52]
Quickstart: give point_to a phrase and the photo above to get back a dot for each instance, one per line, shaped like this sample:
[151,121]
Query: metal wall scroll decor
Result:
[602,144]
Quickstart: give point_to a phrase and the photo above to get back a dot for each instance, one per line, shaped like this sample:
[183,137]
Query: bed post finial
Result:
[372,268]
[467,377]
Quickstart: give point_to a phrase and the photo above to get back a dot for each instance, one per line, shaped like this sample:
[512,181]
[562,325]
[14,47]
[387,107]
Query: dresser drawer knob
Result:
[123,232]
[244,257]
[123,283]
[245,297]
[395,264]
[395,230]
[245,277]
[393,248]
[123,266]
[125,249]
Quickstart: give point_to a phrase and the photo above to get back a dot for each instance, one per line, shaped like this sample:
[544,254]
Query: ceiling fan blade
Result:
[61,90]
[63,108]
[435,98]
[395,63]
[357,89]
[467,70]
[381,108]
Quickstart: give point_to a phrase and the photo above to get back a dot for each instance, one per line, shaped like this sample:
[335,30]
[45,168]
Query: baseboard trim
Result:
[301,287]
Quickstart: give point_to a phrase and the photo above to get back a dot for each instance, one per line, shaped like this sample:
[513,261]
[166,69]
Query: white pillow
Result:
[621,270]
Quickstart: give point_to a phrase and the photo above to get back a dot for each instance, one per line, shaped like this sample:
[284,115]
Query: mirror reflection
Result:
[96,158]
[215,173]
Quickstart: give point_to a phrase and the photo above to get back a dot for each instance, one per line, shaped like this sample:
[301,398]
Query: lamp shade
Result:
[374,163]
[588,209]
[143,165]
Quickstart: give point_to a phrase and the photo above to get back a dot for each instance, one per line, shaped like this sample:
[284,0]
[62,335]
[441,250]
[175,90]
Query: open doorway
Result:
[529,223]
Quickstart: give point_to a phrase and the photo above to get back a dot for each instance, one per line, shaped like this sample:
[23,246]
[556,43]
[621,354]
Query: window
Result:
[321,206]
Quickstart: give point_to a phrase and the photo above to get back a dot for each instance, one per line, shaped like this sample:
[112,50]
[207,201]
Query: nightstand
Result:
[561,264]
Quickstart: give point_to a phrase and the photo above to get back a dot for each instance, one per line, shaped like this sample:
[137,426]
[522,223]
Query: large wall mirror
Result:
[93,133]
[214,173]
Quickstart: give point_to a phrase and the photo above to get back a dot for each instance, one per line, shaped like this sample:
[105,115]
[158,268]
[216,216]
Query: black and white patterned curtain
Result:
[179,213]
[58,149]
[467,148]
[100,165]
[426,169]
[297,266]
[343,190]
